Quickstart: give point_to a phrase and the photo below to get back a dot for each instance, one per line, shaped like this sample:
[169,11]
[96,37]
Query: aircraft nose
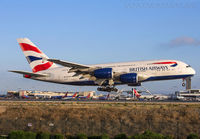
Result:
[193,71]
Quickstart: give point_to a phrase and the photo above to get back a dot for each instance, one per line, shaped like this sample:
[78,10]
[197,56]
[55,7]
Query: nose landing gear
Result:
[183,84]
[187,83]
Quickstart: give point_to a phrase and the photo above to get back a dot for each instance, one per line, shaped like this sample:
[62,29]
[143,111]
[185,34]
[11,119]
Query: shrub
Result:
[30,135]
[16,135]
[148,135]
[168,137]
[69,136]
[57,136]
[82,136]
[1,137]
[121,136]
[193,136]
[43,136]
[105,136]
[94,137]
[125,104]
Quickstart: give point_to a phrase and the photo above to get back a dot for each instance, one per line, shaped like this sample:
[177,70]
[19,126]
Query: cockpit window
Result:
[188,66]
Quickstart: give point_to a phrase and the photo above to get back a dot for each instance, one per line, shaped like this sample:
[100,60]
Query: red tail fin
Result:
[88,96]
[136,93]
[74,95]
[65,95]
[34,56]
[108,96]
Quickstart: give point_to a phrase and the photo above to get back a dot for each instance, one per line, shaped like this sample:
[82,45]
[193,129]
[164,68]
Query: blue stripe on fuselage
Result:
[170,77]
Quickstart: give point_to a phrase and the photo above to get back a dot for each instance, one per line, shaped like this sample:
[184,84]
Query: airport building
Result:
[191,94]
[12,94]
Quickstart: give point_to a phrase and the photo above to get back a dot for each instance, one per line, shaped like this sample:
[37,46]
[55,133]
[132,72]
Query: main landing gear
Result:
[187,83]
[107,89]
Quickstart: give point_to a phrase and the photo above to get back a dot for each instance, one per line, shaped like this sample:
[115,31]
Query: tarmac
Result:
[100,101]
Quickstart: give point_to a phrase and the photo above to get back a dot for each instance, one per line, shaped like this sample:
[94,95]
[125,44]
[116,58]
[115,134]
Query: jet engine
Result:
[104,73]
[130,78]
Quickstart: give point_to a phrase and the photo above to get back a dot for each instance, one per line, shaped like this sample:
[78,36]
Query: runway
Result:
[95,102]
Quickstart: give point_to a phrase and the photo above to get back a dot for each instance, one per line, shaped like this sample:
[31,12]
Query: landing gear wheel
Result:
[98,89]
[183,84]
[107,89]
[115,89]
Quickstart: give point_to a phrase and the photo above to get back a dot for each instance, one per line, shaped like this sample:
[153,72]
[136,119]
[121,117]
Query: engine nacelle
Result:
[104,73]
[130,78]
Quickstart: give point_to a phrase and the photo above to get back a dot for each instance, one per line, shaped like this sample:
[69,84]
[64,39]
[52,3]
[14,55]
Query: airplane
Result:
[3,96]
[180,98]
[104,97]
[83,97]
[101,97]
[161,97]
[70,97]
[106,76]
[145,97]
[43,96]
[25,96]
[59,96]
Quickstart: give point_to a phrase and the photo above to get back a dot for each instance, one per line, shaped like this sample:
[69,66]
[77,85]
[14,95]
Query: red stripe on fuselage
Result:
[42,67]
[28,47]
[165,63]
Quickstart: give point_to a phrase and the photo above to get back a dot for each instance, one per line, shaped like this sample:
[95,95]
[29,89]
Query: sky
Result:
[99,31]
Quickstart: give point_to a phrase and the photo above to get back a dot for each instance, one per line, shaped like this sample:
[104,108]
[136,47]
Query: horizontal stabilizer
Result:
[29,73]
[68,64]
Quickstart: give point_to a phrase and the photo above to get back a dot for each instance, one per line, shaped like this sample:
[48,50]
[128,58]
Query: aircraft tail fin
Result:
[74,95]
[35,57]
[108,96]
[88,96]
[136,93]
[65,95]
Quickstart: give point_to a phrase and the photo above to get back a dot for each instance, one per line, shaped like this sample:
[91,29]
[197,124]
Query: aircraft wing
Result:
[84,71]
[29,73]
[68,64]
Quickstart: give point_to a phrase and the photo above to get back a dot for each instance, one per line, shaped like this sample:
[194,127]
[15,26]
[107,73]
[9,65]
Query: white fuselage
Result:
[150,71]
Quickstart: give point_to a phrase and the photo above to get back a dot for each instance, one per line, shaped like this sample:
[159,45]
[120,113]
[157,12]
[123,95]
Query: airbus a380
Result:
[107,76]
